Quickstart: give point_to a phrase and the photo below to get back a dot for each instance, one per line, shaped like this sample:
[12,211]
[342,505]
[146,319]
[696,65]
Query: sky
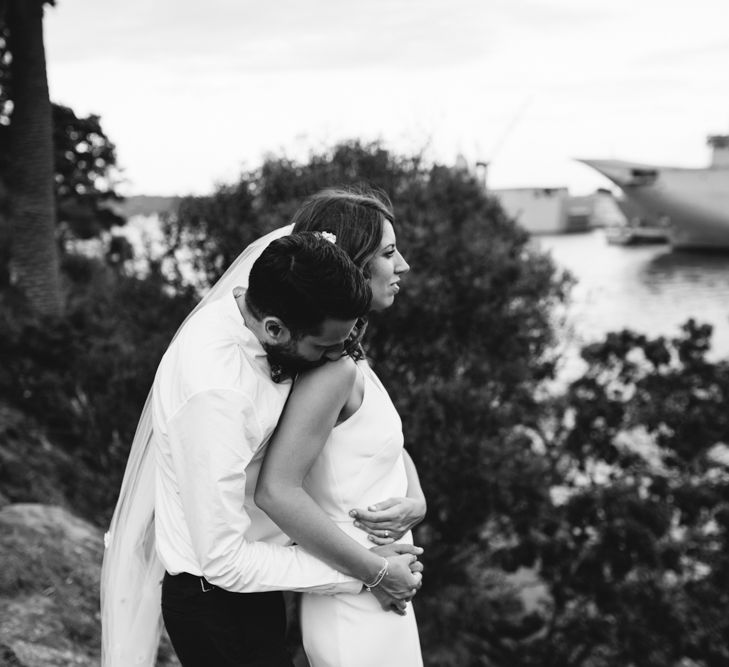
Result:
[192,93]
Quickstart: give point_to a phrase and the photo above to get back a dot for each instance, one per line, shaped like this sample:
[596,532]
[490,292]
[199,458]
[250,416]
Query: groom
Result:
[215,406]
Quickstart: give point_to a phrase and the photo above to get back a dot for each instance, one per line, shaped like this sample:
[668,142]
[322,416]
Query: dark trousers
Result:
[217,628]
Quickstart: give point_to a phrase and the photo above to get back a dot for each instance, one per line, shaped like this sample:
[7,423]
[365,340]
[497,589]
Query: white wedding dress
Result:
[361,464]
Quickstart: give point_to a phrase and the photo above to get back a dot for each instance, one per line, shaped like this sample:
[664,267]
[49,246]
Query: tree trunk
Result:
[5,237]
[35,261]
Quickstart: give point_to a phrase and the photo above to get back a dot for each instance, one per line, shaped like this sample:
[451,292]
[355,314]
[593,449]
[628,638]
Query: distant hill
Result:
[146,205]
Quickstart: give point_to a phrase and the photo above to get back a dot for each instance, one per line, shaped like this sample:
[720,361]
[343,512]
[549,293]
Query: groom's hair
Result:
[304,279]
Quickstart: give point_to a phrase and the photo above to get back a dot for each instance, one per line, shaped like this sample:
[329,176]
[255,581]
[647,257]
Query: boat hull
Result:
[693,203]
[626,235]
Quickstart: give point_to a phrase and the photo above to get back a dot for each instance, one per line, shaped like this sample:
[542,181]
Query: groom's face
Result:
[300,353]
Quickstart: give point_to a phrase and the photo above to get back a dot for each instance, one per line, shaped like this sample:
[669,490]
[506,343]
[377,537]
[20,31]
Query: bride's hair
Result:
[354,215]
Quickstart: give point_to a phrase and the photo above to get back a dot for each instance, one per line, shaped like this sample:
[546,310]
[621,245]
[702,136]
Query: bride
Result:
[338,448]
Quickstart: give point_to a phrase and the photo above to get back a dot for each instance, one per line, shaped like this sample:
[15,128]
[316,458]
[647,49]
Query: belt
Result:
[195,580]
[205,585]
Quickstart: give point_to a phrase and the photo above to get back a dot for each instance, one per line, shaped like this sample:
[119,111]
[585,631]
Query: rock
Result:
[49,586]
[49,589]
[8,657]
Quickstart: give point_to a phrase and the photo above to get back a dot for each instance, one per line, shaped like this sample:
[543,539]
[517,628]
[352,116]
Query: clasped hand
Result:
[387,521]
[403,579]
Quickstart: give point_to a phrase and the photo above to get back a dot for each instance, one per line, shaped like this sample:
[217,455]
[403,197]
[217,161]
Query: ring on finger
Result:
[387,533]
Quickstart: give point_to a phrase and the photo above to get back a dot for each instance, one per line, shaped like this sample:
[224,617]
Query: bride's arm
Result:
[310,414]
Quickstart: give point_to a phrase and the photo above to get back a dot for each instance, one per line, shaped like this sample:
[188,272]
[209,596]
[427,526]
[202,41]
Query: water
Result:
[649,288]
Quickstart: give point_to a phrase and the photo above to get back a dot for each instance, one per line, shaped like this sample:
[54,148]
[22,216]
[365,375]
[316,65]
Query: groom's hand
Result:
[389,520]
[389,603]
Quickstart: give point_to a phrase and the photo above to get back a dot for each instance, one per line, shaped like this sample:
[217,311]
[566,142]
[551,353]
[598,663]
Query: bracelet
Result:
[380,576]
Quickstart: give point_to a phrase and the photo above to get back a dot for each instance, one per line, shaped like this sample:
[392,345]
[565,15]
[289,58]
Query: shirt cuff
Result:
[348,584]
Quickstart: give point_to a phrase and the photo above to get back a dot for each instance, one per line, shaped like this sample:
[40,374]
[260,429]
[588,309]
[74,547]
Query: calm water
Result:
[648,288]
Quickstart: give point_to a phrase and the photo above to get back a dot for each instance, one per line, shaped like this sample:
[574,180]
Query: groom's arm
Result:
[213,438]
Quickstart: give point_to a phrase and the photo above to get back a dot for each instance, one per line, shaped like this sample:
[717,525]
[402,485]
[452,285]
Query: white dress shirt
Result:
[214,410]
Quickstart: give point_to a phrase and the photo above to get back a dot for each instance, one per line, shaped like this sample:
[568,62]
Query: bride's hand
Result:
[400,582]
[390,519]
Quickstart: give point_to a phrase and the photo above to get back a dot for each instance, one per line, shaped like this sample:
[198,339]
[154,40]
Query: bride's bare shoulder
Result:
[336,375]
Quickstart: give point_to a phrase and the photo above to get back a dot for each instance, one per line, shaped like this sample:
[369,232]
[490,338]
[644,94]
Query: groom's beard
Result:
[288,359]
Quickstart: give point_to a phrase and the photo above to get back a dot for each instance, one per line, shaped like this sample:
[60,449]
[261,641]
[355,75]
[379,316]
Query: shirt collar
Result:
[246,337]
[250,343]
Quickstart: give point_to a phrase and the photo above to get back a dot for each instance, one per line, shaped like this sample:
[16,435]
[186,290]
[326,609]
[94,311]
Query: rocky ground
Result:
[51,558]
[49,590]
[48,587]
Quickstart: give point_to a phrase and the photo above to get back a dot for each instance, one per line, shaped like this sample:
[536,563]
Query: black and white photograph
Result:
[386,334]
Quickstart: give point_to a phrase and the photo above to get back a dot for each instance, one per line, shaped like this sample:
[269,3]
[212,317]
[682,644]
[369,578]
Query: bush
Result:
[85,378]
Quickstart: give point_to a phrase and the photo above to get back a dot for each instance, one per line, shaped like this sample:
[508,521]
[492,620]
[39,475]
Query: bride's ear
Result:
[276,331]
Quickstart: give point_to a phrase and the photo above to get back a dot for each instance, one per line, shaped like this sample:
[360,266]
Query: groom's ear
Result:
[276,331]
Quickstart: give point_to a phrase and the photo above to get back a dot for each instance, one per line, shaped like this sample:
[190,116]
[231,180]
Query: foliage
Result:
[84,171]
[214,229]
[85,162]
[5,103]
[5,107]
[636,558]
[85,378]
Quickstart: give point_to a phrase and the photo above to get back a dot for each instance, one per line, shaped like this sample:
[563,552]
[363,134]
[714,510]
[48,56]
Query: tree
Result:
[84,170]
[84,175]
[636,555]
[5,106]
[34,253]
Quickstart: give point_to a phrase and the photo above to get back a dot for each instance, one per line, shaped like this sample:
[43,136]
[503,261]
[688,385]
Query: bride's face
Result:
[386,268]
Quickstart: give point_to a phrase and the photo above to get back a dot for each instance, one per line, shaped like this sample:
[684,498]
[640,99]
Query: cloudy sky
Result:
[192,92]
